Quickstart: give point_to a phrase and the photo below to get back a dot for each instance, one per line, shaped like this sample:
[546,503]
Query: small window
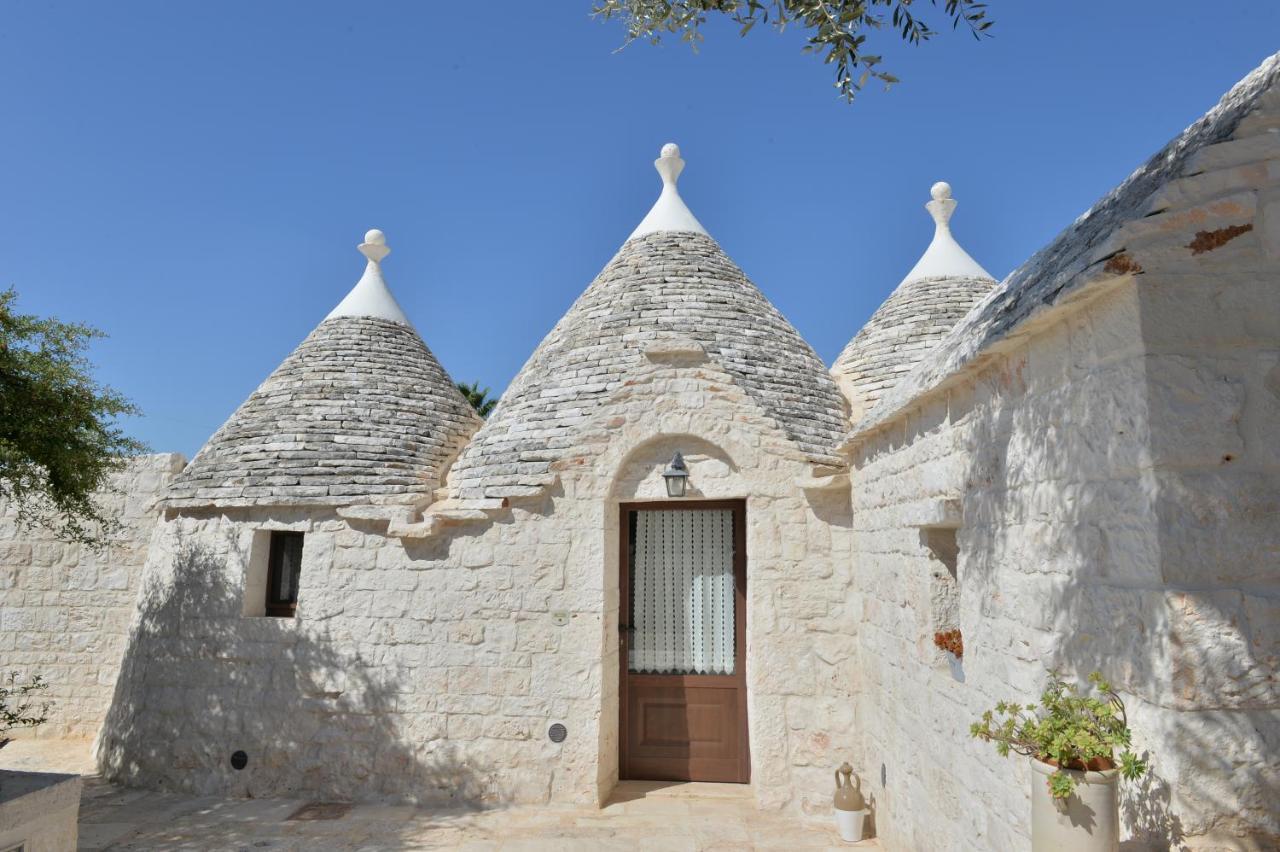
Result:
[944,591]
[284,567]
[942,543]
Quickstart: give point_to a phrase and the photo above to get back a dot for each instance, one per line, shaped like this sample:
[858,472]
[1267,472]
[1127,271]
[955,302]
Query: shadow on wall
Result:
[1072,542]
[1145,810]
[200,682]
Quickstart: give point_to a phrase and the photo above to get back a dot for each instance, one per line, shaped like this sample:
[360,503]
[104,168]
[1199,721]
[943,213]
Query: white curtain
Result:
[682,592]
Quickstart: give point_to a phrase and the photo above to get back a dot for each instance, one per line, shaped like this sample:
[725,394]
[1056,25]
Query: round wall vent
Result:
[239,760]
[557,732]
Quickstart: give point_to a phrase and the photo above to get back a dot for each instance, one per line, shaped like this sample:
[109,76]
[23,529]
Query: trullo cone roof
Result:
[670,279]
[944,284]
[360,411]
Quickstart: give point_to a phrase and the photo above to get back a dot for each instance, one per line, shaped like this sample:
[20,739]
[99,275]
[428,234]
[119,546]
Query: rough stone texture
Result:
[38,811]
[667,284]
[1100,431]
[1114,461]
[431,669]
[917,314]
[1094,244]
[360,410]
[65,609]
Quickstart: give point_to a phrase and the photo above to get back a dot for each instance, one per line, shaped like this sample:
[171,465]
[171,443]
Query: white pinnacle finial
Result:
[944,258]
[374,246]
[942,205]
[670,212]
[371,297]
[669,164]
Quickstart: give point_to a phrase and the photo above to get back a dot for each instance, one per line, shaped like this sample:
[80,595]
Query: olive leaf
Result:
[837,29]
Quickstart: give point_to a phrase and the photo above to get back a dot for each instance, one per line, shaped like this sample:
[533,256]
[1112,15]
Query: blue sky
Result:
[193,177]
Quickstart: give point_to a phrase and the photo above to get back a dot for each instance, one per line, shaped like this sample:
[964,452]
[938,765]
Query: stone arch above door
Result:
[711,469]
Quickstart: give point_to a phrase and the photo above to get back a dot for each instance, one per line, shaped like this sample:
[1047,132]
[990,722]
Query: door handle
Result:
[626,628]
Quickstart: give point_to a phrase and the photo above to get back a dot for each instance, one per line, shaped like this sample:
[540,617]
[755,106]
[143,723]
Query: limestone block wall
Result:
[1102,436]
[405,674]
[1113,473]
[429,669]
[801,610]
[1209,309]
[65,609]
[1038,458]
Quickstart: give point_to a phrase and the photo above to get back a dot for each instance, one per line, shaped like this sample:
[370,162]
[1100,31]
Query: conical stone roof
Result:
[942,287]
[360,411]
[669,280]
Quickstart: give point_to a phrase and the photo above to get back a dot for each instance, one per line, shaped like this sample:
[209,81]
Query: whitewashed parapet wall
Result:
[65,609]
[430,668]
[1104,429]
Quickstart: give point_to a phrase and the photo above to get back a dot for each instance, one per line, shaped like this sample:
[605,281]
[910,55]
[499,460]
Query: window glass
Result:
[285,568]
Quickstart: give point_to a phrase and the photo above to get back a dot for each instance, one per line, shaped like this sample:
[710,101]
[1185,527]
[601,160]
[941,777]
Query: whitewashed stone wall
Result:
[801,624]
[429,669]
[1114,465]
[65,609]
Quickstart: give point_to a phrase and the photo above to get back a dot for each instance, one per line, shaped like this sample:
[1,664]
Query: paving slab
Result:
[647,815]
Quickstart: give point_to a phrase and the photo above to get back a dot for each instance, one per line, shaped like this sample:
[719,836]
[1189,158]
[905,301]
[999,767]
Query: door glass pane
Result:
[682,604]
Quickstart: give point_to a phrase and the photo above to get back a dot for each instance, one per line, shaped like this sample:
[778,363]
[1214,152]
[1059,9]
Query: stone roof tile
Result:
[360,410]
[652,289]
[942,287]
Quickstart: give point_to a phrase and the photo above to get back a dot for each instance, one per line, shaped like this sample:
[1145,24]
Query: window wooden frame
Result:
[280,606]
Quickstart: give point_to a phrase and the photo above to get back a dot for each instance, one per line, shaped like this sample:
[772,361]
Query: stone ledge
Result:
[662,351]
[39,810]
[943,513]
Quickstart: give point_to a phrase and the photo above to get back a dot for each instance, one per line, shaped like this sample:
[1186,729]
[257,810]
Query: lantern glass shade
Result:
[676,476]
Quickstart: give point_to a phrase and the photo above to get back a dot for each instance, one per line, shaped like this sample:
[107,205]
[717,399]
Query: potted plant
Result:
[950,640]
[1078,744]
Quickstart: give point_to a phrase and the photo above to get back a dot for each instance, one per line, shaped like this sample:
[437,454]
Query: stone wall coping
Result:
[24,795]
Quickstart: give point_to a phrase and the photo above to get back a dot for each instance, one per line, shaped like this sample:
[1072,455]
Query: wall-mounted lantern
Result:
[676,475]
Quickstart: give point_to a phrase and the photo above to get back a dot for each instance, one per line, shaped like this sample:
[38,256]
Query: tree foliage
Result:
[18,707]
[478,397]
[59,441]
[1069,730]
[838,30]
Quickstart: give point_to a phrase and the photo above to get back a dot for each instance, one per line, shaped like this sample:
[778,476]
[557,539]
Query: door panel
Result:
[684,733]
[683,579]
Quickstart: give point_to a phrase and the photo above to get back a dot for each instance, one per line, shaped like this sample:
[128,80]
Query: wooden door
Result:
[682,626]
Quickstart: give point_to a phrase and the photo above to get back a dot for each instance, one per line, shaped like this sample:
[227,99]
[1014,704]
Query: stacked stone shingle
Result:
[934,296]
[663,284]
[361,411]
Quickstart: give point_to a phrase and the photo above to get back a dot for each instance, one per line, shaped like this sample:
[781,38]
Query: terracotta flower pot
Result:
[1086,821]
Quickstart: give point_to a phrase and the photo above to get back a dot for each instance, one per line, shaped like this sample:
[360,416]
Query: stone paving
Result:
[641,815]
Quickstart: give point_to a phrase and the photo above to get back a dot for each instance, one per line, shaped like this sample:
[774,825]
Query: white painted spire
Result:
[669,212]
[371,297]
[944,257]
